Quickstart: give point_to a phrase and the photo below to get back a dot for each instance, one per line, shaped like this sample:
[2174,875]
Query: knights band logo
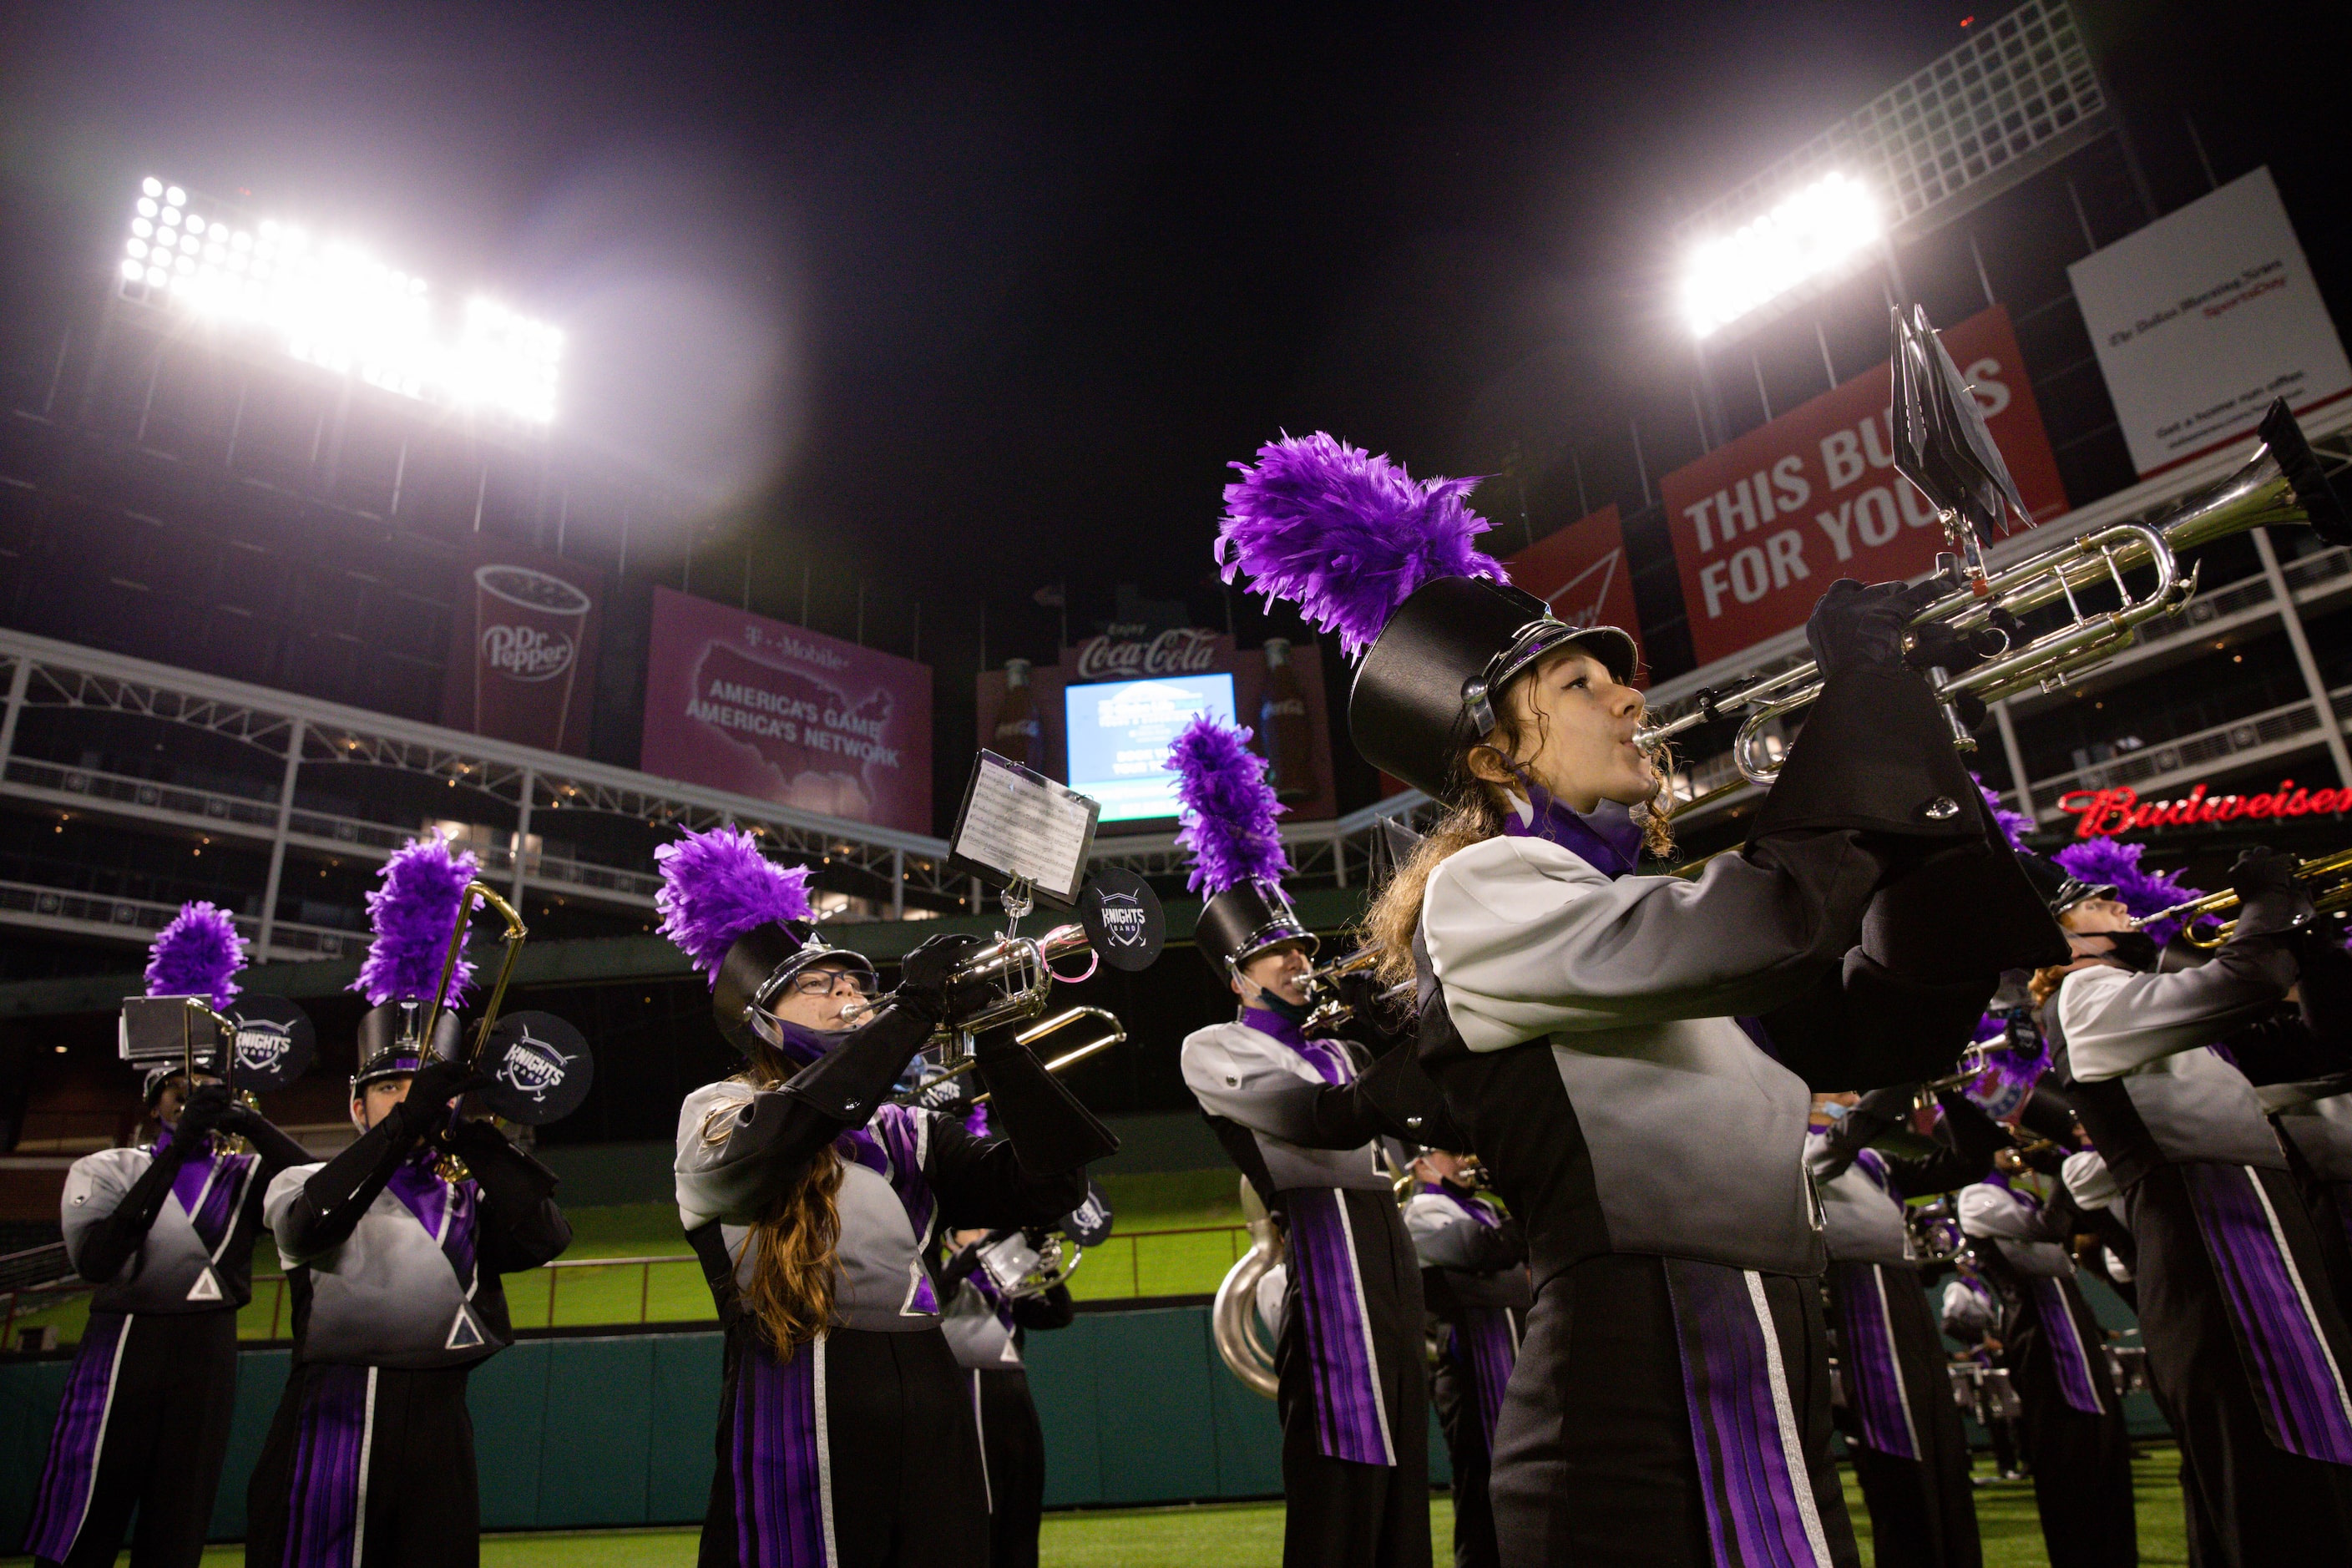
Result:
[533,1067]
[1125,923]
[260,1047]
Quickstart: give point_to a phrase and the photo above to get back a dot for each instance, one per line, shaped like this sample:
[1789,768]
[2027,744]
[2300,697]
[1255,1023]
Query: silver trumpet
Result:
[2281,486]
[1062,1020]
[1323,988]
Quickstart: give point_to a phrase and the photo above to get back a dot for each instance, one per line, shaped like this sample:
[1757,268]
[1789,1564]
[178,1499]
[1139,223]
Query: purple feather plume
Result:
[1345,535]
[716,886]
[2142,892]
[414,914]
[1228,807]
[2014,825]
[198,955]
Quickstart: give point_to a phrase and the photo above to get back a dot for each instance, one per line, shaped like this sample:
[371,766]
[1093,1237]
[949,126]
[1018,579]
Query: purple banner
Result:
[739,702]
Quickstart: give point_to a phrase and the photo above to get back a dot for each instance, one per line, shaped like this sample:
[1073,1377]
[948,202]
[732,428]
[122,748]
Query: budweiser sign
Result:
[1184,651]
[2110,813]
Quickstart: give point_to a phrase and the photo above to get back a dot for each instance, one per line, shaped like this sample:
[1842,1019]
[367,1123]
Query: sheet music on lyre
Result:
[1019,825]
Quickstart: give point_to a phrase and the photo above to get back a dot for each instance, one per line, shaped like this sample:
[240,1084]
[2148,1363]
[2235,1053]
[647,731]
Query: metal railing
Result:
[667,1287]
[2270,731]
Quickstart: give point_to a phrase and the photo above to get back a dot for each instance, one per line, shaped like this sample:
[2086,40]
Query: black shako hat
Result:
[390,1045]
[2060,889]
[757,966]
[1428,686]
[1246,920]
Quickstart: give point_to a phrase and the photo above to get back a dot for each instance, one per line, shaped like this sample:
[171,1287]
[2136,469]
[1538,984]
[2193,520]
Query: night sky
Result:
[962,303]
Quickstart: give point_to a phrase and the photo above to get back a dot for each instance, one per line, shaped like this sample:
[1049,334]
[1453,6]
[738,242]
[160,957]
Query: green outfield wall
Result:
[618,1429]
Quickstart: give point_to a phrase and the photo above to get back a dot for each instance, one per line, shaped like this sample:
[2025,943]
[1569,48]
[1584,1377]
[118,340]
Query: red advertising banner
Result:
[1763,525]
[523,648]
[737,701]
[1581,573]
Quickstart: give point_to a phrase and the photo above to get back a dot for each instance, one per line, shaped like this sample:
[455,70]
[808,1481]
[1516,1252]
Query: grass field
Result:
[1249,1535]
[1136,1261]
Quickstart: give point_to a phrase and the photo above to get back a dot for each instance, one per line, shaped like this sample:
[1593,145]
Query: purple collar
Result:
[1328,1061]
[1607,838]
[1462,1200]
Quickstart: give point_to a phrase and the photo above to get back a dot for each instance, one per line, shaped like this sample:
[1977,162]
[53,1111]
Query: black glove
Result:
[1854,627]
[437,1083]
[928,984]
[205,1109]
[2269,900]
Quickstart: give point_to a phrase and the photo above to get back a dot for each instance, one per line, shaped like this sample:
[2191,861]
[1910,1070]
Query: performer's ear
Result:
[1489,764]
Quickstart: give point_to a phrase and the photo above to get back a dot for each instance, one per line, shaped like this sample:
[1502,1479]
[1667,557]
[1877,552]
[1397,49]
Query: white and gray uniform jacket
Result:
[197,1256]
[2145,1088]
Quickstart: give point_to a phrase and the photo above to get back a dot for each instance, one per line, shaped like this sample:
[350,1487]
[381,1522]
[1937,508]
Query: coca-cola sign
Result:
[1180,650]
[523,648]
[2111,813]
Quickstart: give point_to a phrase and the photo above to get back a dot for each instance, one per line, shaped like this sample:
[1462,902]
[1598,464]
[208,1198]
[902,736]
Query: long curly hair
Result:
[1477,813]
[797,1238]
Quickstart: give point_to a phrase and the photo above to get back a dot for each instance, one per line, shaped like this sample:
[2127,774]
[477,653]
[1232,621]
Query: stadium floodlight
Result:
[331,304]
[1815,231]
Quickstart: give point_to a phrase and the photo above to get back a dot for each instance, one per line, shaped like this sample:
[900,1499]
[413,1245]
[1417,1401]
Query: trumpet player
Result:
[165,1232]
[2247,1349]
[1302,1119]
[394,1256]
[813,1204]
[1474,1276]
[987,1325]
[1671,1401]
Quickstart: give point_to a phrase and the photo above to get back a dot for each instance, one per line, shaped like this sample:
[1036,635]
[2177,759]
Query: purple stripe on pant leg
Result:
[778,1496]
[75,1440]
[1755,1519]
[2293,1375]
[1348,1418]
[1874,1384]
[1492,1350]
[2053,1309]
[323,1520]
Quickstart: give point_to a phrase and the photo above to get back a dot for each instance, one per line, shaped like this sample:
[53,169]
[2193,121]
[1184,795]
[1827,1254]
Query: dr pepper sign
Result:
[1763,525]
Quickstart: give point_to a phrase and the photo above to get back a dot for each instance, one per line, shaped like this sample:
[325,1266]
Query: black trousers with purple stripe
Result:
[858,1451]
[144,1424]
[1923,1511]
[2081,1462]
[1454,1394]
[1598,1457]
[2248,1501]
[375,1459]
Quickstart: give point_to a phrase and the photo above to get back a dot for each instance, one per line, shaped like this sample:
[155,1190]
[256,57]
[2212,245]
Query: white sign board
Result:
[2205,316]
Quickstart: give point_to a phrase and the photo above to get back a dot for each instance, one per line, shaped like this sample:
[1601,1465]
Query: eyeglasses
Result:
[825,981]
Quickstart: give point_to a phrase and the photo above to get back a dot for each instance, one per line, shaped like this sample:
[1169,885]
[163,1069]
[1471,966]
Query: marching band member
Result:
[393,1261]
[2247,1350]
[845,1434]
[1474,1275]
[986,1328]
[2070,1420]
[1670,1402]
[165,1232]
[1970,1313]
[1302,1118]
[1903,1432]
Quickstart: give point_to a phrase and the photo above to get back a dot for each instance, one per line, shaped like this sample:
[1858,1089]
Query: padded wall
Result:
[578,1433]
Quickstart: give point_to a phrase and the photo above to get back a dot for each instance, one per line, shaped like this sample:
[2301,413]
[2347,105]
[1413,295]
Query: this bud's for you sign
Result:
[1763,525]
[739,702]
[522,648]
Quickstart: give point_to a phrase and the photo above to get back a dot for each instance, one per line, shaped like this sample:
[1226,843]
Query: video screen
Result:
[1119,732]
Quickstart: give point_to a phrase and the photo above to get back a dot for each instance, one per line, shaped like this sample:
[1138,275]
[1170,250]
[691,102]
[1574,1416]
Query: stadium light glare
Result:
[332,305]
[1813,232]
